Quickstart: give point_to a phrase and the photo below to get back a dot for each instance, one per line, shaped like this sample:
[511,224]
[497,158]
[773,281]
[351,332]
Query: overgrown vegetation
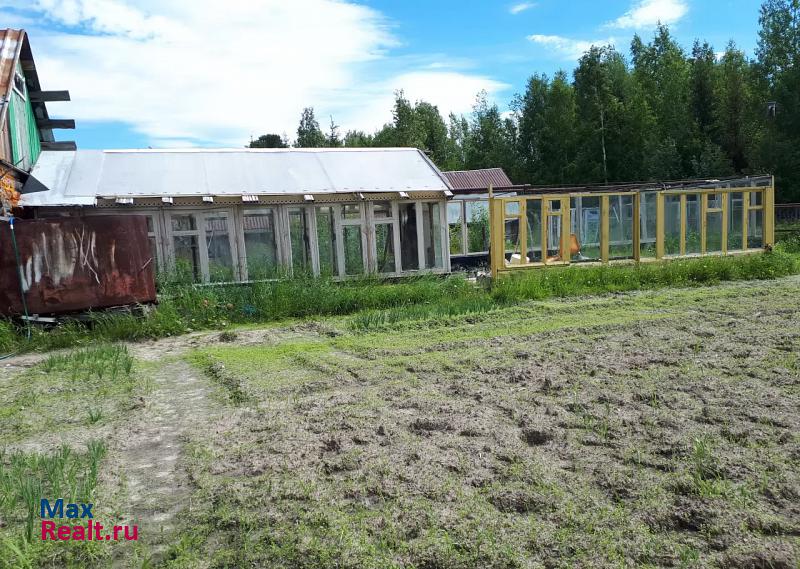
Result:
[184,307]
[26,478]
[648,430]
[69,392]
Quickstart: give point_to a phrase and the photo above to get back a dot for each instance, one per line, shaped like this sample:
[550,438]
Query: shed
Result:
[243,214]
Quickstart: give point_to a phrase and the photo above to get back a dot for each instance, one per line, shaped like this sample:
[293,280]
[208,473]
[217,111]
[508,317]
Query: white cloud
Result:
[215,73]
[648,13]
[566,47]
[521,7]
[449,90]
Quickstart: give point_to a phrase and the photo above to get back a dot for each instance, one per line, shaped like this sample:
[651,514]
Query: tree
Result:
[530,110]
[600,109]
[663,73]
[309,134]
[358,139]
[333,140]
[778,38]
[702,89]
[489,144]
[732,109]
[778,99]
[269,141]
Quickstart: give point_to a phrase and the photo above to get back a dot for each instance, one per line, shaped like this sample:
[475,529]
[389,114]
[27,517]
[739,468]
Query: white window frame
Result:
[200,233]
[372,223]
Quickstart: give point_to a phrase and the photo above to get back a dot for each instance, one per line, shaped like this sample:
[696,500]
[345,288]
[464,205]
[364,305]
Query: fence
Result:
[554,227]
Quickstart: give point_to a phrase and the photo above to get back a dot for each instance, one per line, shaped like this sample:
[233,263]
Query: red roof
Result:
[478,179]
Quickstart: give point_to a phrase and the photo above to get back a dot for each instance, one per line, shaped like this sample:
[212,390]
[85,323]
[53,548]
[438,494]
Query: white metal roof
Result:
[80,177]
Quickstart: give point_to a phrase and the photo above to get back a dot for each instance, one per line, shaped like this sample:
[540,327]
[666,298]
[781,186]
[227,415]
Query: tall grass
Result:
[26,478]
[575,281]
[185,307]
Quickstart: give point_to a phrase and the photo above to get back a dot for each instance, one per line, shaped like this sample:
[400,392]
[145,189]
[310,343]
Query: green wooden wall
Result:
[25,144]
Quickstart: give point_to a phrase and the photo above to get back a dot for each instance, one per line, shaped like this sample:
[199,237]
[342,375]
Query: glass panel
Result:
[154,252]
[260,247]
[554,205]
[755,229]
[735,206]
[382,210]
[756,198]
[533,218]
[477,227]
[326,241]
[409,251]
[150,224]
[715,201]
[513,247]
[218,245]
[554,237]
[647,224]
[183,222]
[432,235]
[620,227]
[454,228]
[298,234]
[692,224]
[353,258]
[384,242]
[672,225]
[714,232]
[351,211]
[187,258]
[585,229]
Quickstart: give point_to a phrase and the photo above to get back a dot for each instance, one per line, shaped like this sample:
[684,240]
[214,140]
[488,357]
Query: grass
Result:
[183,308]
[65,392]
[631,430]
[26,478]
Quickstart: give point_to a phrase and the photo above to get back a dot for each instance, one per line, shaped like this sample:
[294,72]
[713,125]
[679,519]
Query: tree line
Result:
[659,113]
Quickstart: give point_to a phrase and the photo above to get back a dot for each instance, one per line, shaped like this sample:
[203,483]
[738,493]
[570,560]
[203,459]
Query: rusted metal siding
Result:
[76,264]
[478,179]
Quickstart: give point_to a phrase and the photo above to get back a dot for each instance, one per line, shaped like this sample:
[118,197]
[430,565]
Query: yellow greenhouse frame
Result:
[552,213]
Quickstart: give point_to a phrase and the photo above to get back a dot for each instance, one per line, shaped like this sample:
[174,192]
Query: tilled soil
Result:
[667,439]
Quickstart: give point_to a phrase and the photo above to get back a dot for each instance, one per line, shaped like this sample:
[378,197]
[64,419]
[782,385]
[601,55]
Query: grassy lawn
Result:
[655,428]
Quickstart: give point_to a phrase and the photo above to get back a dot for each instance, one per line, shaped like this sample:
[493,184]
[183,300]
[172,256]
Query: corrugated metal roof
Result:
[79,177]
[477,179]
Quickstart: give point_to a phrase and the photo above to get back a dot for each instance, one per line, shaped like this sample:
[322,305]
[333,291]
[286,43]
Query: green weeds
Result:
[69,390]
[378,304]
[26,478]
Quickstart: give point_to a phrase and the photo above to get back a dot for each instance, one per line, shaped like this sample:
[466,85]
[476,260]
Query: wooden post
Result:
[703,215]
[769,214]
[637,226]
[684,214]
[745,218]
[660,225]
[604,229]
[726,196]
[522,233]
[566,230]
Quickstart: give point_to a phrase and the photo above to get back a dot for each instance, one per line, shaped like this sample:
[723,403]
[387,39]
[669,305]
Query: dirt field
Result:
[648,429]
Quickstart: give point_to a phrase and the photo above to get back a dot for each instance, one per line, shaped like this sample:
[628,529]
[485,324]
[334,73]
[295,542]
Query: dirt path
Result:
[146,454]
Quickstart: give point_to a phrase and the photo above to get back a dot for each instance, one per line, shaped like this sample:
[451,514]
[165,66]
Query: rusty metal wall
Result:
[75,264]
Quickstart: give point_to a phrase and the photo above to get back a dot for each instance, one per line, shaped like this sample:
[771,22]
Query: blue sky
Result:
[205,73]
